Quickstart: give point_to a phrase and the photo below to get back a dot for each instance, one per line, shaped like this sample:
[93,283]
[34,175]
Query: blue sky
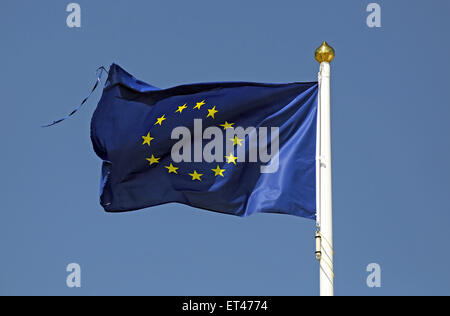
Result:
[390,115]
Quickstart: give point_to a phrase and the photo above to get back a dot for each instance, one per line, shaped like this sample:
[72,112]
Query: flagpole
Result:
[324,236]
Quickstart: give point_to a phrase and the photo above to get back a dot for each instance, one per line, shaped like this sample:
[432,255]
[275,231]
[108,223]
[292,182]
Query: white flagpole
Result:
[324,236]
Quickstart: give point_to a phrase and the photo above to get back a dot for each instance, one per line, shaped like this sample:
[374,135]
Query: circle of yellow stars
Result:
[195,176]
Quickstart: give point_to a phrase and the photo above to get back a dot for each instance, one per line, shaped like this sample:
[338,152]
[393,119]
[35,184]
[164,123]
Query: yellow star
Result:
[211,112]
[231,158]
[227,125]
[196,176]
[153,160]
[218,171]
[172,169]
[237,141]
[160,119]
[198,105]
[147,139]
[181,108]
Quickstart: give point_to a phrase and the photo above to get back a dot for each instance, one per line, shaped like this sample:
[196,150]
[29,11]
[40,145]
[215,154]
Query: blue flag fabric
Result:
[231,147]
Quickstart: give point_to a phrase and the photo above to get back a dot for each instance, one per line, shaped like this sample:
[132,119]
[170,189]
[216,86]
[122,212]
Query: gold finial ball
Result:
[325,53]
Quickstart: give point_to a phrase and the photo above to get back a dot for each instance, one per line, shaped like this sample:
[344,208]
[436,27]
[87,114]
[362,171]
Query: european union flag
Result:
[231,147]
